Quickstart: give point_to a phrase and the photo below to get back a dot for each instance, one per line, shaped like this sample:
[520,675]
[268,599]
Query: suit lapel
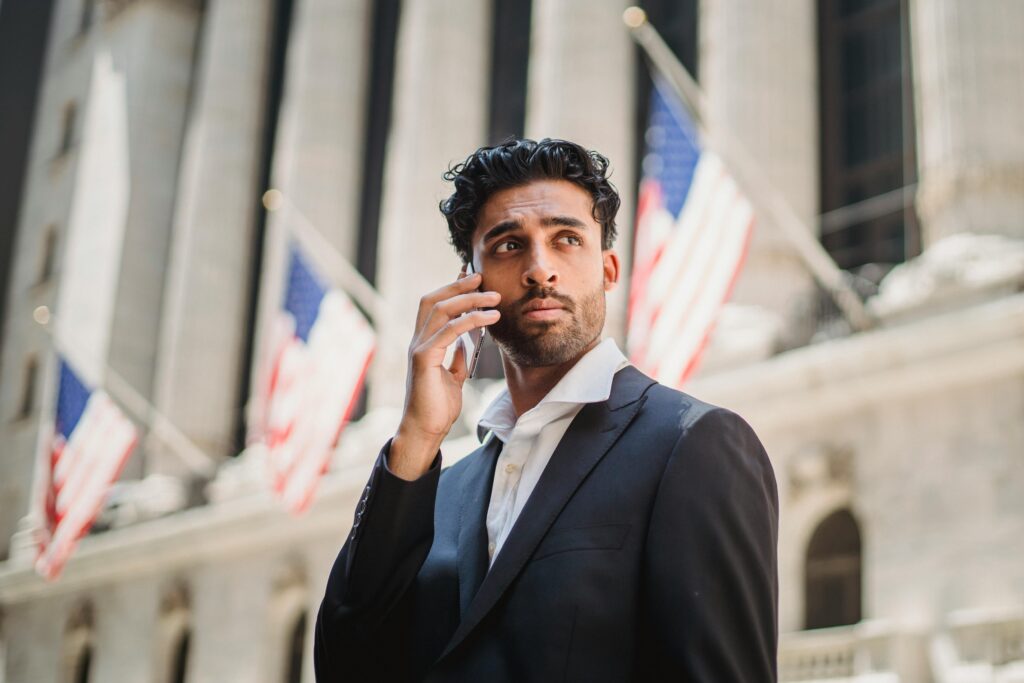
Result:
[592,433]
[476,495]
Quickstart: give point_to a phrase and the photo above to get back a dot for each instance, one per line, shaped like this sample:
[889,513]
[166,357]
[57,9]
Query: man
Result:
[608,529]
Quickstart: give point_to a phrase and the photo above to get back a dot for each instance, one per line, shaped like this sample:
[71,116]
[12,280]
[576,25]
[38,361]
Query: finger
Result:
[459,367]
[444,311]
[451,331]
[460,286]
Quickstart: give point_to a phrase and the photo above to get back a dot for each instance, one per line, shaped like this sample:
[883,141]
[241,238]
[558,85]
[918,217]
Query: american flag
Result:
[90,442]
[693,229]
[321,347]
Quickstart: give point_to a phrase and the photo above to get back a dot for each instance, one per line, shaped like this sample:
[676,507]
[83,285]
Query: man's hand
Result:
[433,393]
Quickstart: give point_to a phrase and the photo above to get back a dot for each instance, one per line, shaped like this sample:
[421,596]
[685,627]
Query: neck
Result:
[528,385]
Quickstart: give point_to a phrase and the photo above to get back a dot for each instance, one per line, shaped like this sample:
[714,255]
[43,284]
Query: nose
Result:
[539,271]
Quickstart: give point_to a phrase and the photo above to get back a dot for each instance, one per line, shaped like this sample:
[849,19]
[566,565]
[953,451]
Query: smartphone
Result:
[473,340]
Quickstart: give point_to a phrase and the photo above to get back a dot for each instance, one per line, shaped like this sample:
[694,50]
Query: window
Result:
[383,41]
[175,635]
[28,389]
[88,15]
[49,257]
[510,57]
[67,136]
[296,650]
[832,590]
[179,663]
[868,166]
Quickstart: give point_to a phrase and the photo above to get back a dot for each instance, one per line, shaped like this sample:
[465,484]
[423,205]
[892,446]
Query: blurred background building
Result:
[136,140]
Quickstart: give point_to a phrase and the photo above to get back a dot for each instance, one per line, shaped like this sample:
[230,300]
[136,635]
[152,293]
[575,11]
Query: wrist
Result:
[412,452]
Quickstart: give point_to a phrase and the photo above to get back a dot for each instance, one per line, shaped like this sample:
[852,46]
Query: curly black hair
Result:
[516,162]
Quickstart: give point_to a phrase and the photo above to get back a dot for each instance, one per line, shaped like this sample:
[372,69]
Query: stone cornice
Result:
[829,380]
[206,534]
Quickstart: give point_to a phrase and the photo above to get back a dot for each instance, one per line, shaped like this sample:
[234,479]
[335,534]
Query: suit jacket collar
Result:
[590,436]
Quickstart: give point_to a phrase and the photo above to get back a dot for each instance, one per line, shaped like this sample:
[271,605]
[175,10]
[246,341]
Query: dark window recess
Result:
[28,389]
[383,42]
[85,20]
[379,101]
[179,663]
[676,21]
[832,589]
[510,60]
[49,257]
[67,132]
[278,49]
[83,665]
[868,165]
[296,649]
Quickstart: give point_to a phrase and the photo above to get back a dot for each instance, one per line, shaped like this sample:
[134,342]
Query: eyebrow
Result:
[548,221]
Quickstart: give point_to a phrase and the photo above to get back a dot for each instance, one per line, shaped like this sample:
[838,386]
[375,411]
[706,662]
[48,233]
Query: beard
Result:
[538,343]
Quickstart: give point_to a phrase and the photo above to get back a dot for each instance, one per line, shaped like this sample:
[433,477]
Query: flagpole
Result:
[748,175]
[195,458]
[348,277]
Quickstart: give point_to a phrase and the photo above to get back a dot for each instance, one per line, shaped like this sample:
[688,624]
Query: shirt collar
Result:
[588,381]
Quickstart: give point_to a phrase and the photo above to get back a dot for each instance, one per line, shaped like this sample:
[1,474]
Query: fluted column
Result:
[440,115]
[757,67]
[581,88]
[969,104]
[206,306]
[319,144]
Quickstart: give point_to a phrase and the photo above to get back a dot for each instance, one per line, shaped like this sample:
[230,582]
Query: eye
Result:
[501,248]
[573,239]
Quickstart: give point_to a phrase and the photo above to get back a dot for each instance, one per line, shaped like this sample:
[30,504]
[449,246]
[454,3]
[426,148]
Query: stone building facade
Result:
[899,450]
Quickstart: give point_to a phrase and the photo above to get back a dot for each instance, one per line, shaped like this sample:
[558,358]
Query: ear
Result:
[611,269]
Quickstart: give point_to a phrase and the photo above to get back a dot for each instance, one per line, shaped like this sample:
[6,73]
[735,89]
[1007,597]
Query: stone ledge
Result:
[838,377]
[204,534]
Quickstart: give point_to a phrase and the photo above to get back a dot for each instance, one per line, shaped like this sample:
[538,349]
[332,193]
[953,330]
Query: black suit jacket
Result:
[647,551]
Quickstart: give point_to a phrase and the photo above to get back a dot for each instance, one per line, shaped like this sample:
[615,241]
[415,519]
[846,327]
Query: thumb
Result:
[458,366]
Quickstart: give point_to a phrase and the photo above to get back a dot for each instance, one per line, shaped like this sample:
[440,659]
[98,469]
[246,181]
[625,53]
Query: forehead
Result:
[535,200]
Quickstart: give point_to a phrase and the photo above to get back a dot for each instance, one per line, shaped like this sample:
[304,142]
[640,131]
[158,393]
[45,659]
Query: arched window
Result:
[296,650]
[832,589]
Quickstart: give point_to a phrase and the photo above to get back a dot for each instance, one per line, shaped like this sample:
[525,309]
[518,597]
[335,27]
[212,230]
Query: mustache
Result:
[545,293]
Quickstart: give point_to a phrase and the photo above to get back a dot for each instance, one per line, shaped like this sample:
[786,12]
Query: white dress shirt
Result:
[530,441]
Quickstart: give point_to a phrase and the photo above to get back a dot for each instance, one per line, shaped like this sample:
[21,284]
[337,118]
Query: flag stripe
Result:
[315,381]
[688,271]
[91,442]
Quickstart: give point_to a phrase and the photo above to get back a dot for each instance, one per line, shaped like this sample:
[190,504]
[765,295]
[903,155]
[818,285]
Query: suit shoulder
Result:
[685,409]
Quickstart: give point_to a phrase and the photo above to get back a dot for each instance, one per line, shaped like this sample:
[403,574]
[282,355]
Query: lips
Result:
[542,309]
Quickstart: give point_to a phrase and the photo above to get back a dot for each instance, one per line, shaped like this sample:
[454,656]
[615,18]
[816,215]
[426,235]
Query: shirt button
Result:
[490,548]
[510,468]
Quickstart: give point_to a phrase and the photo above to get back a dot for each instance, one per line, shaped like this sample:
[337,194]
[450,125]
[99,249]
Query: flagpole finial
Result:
[41,315]
[273,199]
[634,17]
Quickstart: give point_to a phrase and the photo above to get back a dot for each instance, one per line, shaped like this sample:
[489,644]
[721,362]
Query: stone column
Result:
[154,42]
[206,305]
[758,71]
[319,144]
[440,116]
[581,88]
[969,104]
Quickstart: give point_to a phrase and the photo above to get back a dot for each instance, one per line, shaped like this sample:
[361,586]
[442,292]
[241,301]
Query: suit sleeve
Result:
[359,627]
[711,557]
